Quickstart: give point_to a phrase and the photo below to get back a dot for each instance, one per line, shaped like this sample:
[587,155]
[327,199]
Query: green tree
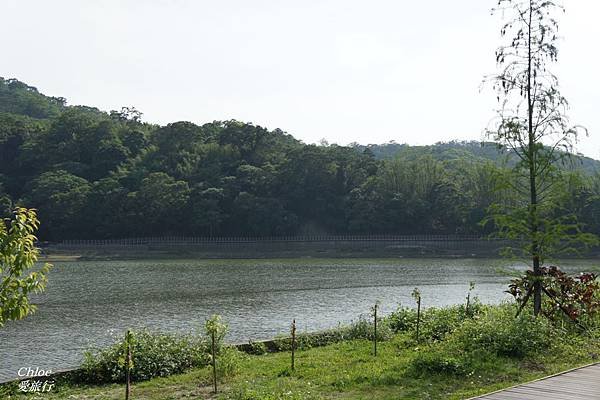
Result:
[176,149]
[15,131]
[18,255]
[477,182]
[60,198]
[206,211]
[161,203]
[105,209]
[260,216]
[420,196]
[17,97]
[532,123]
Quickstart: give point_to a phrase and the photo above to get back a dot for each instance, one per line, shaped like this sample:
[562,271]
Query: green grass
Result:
[346,370]
[461,354]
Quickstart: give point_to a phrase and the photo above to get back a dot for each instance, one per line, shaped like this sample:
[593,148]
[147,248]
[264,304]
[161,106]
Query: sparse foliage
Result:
[532,123]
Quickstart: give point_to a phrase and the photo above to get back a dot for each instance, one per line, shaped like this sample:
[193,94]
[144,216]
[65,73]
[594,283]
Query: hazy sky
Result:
[343,70]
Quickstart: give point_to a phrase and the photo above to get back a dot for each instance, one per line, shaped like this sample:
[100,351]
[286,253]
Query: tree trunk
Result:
[533,220]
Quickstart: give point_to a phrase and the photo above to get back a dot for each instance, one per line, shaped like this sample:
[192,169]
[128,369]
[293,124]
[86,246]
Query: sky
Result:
[340,70]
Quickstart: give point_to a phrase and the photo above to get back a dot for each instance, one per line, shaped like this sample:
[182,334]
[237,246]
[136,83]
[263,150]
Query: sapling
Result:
[467,309]
[416,294]
[126,362]
[374,311]
[215,330]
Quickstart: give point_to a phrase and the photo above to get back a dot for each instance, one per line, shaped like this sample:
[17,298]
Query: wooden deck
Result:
[578,384]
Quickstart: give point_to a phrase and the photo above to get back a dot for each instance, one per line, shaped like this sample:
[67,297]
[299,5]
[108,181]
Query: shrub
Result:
[576,298]
[228,362]
[439,322]
[404,319]
[256,348]
[363,329]
[499,332]
[436,323]
[308,340]
[153,355]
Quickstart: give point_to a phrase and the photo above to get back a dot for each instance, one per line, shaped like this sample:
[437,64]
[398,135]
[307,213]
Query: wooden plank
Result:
[550,392]
[577,384]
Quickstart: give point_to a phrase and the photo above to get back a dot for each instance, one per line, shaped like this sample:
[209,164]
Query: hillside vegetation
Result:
[95,174]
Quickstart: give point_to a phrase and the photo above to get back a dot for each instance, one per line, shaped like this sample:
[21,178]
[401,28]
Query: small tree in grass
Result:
[126,362]
[18,255]
[416,294]
[532,124]
[215,330]
[374,310]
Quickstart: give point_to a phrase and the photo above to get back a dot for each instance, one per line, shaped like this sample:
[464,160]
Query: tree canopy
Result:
[94,174]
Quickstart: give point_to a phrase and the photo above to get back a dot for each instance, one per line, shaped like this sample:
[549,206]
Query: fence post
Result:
[417,296]
[128,365]
[293,343]
[214,364]
[375,330]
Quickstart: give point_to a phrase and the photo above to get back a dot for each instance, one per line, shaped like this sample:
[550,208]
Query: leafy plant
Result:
[436,322]
[256,348]
[574,297]
[404,319]
[215,327]
[153,355]
[215,330]
[497,331]
[18,254]
[363,329]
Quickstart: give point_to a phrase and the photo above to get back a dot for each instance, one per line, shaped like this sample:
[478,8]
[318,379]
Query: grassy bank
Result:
[340,371]
[459,354]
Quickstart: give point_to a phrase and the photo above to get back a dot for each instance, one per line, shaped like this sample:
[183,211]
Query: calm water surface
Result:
[87,303]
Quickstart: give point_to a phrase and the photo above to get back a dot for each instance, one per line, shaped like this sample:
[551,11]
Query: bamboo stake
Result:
[418,316]
[128,366]
[214,364]
[375,330]
[293,343]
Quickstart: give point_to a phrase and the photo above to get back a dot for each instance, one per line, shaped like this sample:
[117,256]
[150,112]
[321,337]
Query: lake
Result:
[88,303]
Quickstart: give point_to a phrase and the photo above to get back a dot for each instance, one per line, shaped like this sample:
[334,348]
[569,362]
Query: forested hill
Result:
[95,174]
[462,150]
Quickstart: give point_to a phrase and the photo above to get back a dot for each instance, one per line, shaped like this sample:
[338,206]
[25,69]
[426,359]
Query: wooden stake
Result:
[214,364]
[418,316]
[128,366]
[293,343]
[375,329]
[468,303]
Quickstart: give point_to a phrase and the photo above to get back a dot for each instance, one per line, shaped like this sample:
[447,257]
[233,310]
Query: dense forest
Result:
[95,174]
